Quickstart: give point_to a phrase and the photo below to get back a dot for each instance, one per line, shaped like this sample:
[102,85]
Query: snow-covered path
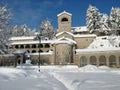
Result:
[89,81]
[60,78]
[30,80]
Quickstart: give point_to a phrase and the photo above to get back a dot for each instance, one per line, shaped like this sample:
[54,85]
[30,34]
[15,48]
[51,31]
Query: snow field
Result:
[68,77]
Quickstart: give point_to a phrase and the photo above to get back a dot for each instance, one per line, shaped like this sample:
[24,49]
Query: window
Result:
[64,20]
[33,51]
[119,60]
[40,51]
[93,60]
[28,51]
[102,60]
[112,61]
[47,45]
[27,46]
[40,46]
[83,61]
[21,46]
[33,46]
[16,46]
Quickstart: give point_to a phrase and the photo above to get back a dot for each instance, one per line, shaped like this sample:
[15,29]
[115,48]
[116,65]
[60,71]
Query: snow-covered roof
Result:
[22,38]
[85,35]
[101,42]
[33,42]
[64,12]
[90,50]
[64,32]
[42,53]
[64,40]
[80,29]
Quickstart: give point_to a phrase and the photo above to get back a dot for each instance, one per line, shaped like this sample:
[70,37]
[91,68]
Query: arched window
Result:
[102,60]
[112,61]
[21,46]
[119,60]
[83,61]
[27,46]
[40,51]
[33,51]
[40,46]
[28,51]
[16,46]
[33,46]
[93,60]
[47,45]
[64,20]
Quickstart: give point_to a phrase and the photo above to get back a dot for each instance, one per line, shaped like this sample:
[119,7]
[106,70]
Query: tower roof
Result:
[64,12]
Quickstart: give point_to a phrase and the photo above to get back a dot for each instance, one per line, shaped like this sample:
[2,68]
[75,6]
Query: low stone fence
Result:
[7,60]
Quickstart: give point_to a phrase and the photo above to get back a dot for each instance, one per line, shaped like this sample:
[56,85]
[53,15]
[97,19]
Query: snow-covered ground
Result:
[59,78]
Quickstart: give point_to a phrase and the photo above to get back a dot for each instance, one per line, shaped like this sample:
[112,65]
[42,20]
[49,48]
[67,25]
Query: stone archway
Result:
[112,61]
[93,60]
[83,61]
[33,51]
[102,60]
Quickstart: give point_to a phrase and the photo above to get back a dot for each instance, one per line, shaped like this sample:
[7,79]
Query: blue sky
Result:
[33,12]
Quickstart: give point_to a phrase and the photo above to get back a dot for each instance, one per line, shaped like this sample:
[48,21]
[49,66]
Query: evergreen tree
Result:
[104,24]
[93,18]
[22,30]
[115,19]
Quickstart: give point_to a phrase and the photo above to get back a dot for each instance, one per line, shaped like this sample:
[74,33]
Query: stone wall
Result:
[7,60]
[83,42]
[108,58]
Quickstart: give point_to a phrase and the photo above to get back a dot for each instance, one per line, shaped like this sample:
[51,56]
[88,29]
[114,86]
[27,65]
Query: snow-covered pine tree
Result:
[46,29]
[104,24]
[115,20]
[5,17]
[93,18]
[22,30]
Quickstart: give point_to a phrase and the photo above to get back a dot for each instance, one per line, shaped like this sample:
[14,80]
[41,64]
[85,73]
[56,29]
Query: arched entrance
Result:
[93,60]
[112,61]
[83,61]
[102,60]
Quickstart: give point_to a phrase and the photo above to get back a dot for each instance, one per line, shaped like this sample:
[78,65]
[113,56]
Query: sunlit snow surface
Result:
[59,78]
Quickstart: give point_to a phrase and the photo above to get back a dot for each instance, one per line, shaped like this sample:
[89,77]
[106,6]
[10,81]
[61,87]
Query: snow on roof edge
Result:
[43,53]
[61,40]
[64,32]
[64,12]
[85,35]
[33,42]
[96,50]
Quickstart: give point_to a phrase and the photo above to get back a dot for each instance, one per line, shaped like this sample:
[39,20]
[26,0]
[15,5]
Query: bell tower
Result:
[64,22]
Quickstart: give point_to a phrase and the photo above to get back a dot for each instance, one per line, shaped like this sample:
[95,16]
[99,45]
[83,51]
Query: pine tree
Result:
[104,24]
[46,29]
[22,30]
[115,19]
[93,18]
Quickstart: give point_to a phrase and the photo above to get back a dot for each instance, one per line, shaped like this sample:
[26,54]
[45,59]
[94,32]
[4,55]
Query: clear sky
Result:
[32,12]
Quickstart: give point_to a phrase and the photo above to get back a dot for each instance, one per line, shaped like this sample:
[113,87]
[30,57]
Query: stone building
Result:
[70,46]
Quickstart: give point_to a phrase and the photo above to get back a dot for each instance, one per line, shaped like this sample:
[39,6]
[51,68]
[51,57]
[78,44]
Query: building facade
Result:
[70,46]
